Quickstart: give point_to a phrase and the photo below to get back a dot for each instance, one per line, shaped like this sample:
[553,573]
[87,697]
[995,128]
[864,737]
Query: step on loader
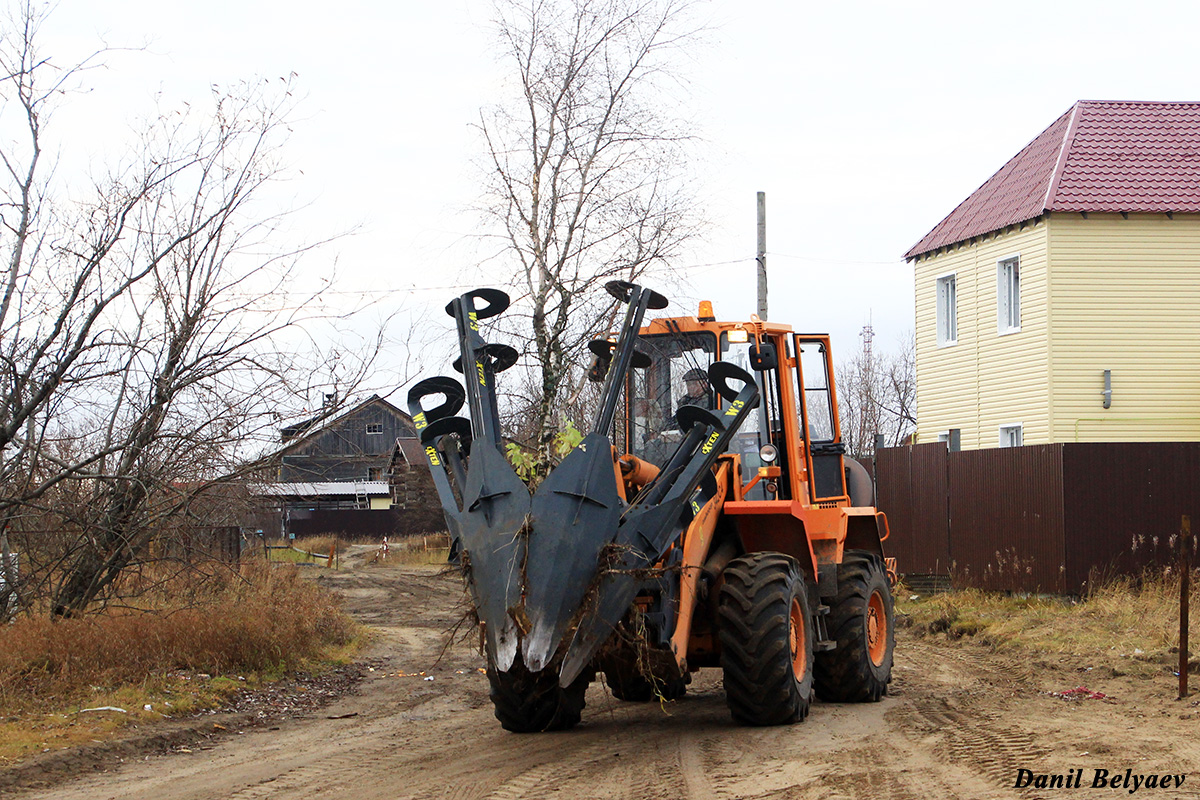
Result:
[708,518]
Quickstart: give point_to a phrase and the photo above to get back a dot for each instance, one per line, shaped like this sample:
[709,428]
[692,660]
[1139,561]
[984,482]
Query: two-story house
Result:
[334,475]
[1060,302]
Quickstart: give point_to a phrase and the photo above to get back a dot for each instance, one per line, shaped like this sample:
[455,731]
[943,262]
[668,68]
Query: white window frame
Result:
[1006,432]
[1008,294]
[945,437]
[374,428]
[946,298]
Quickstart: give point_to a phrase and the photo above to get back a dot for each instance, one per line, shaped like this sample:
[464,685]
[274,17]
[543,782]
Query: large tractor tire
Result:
[766,640]
[862,622]
[532,702]
[631,686]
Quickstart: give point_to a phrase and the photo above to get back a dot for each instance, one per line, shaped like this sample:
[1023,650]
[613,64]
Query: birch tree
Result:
[584,173]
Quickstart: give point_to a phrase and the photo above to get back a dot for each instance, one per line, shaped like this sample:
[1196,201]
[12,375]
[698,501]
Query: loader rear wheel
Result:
[633,687]
[532,702]
[766,640]
[861,621]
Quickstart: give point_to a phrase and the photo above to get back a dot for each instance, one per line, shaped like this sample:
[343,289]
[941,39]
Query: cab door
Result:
[817,402]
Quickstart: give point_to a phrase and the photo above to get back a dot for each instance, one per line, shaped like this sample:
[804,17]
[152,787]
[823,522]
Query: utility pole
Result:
[762,255]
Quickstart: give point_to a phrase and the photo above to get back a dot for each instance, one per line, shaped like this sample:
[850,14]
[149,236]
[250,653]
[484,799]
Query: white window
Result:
[374,427]
[952,438]
[1008,294]
[1011,435]
[947,310]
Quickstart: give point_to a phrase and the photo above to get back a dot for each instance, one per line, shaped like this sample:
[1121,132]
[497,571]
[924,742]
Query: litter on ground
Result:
[1079,693]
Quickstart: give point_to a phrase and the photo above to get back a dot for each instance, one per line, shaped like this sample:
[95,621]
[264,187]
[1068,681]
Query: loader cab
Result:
[768,425]
[797,416]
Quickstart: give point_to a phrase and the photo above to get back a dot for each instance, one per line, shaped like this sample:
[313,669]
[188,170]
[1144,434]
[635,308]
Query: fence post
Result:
[1185,574]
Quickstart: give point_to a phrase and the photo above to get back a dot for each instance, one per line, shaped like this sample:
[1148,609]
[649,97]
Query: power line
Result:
[458,287]
[823,260]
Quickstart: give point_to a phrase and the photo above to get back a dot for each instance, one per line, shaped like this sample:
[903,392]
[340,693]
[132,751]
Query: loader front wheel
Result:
[861,621]
[532,702]
[766,640]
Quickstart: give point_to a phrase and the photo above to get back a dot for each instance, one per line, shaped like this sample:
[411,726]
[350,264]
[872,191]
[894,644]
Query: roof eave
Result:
[1020,224]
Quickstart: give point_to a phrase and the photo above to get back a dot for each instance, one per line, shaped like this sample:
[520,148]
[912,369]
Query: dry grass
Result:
[1125,619]
[321,545]
[170,653]
[431,548]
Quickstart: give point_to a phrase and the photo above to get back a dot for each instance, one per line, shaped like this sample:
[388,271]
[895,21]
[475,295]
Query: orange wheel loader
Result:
[708,518]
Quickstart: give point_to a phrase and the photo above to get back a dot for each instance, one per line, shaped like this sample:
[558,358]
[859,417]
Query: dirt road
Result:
[960,723]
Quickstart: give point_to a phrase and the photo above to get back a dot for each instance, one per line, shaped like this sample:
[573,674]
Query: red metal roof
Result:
[1099,156]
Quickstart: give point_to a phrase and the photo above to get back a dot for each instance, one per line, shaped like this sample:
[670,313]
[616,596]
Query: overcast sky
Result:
[865,124]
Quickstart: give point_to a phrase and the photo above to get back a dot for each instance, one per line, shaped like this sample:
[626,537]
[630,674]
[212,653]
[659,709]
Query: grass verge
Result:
[189,647]
[1129,625]
[291,555]
[428,549]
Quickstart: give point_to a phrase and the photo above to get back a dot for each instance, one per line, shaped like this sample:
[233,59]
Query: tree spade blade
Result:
[495,510]
[575,513]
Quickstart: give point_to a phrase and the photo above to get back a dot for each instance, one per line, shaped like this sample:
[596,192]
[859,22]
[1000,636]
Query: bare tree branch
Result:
[144,362]
[877,395]
[584,173]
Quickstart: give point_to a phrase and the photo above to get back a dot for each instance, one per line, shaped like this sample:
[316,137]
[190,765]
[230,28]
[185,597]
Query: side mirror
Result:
[762,357]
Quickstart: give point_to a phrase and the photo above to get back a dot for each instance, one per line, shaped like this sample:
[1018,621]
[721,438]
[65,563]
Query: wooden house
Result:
[354,446]
[334,474]
[412,490]
[1060,302]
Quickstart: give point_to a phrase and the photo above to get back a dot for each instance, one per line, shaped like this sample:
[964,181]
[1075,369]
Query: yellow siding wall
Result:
[1126,297]
[985,380]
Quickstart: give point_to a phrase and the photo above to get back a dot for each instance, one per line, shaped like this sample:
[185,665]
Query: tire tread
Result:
[753,616]
[846,673]
[533,702]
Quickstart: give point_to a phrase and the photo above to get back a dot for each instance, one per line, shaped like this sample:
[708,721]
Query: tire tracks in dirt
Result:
[959,722]
[967,731]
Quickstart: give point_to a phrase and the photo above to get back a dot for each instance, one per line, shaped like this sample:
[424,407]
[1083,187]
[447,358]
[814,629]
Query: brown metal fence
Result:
[1046,518]
[365,523]
[911,487]
[201,543]
[1125,504]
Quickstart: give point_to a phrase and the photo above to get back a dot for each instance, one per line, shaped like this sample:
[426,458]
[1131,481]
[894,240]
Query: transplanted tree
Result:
[141,359]
[584,170]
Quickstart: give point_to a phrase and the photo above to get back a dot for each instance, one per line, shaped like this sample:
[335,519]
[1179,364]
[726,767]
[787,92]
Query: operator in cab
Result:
[696,391]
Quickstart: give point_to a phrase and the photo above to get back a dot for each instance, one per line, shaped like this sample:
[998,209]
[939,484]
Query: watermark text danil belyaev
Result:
[1098,779]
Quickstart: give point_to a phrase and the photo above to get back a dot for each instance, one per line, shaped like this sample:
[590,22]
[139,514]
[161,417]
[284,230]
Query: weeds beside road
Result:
[985,685]
[188,645]
[1126,624]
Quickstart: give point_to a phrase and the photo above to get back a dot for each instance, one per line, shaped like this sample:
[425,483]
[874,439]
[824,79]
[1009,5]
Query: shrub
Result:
[262,619]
